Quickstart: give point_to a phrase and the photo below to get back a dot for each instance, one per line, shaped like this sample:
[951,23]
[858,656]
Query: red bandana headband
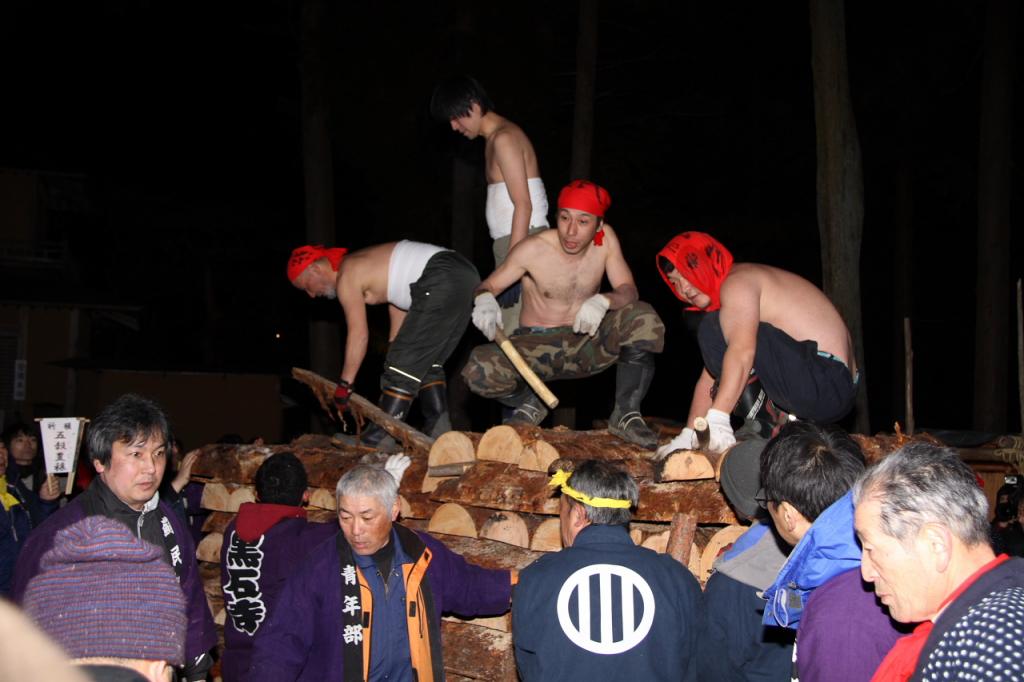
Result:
[702,260]
[303,256]
[583,195]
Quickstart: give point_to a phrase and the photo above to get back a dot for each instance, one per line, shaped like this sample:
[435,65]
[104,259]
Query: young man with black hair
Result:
[517,203]
[127,444]
[603,608]
[842,632]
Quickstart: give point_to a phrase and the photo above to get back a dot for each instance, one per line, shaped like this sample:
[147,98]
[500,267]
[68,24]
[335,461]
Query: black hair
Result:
[454,97]
[598,478]
[124,420]
[665,265]
[281,479]
[810,467]
[15,428]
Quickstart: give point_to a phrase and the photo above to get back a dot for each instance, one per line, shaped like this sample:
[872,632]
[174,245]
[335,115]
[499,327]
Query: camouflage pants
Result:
[559,353]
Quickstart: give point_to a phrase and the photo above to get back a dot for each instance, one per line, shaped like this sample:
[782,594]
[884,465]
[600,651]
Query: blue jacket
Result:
[746,649]
[15,525]
[570,621]
[829,548]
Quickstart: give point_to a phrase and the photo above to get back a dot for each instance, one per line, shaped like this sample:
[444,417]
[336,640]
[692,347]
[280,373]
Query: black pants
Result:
[794,376]
[442,302]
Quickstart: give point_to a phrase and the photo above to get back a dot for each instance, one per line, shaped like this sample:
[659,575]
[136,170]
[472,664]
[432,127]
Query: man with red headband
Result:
[428,291]
[774,346]
[568,330]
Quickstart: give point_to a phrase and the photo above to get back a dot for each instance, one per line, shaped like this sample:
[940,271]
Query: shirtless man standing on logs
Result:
[428,290]
[517,204]
[568,330]
[774,346]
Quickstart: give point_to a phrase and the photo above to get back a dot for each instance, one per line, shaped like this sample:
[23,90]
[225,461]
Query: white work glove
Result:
[487,314]
[686,440]
[721,437]
[593,310]
[396,466]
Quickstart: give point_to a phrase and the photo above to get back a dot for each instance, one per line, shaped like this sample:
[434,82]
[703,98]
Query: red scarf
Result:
[901,661]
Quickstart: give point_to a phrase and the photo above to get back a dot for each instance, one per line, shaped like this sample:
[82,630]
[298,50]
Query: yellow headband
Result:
[561,479]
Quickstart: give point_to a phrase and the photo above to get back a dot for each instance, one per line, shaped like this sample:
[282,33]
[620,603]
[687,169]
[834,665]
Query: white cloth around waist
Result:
[408,259]
[499,208]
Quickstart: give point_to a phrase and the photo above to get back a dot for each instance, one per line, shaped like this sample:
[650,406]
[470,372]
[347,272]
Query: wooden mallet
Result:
[524,370]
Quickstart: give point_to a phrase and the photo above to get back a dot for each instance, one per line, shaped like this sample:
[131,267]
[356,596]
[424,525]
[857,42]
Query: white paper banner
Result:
[60,442]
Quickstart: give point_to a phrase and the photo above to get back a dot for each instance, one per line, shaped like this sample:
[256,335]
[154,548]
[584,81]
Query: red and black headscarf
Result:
[303,256]
[584,195]
[702,260]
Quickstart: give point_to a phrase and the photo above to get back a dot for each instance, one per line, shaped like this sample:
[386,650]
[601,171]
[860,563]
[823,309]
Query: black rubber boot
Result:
[761,417]
[633,374]
[396,403]
[434,406]
[526,406]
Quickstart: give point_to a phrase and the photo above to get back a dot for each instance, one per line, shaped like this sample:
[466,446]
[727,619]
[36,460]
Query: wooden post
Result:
[680,537]
[908,366]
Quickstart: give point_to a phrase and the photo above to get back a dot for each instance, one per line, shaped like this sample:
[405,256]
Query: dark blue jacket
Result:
[745,648]
[652,635]
[15,525]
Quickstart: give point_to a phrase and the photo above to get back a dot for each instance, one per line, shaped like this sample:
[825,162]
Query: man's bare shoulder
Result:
[360,267]
[510,136]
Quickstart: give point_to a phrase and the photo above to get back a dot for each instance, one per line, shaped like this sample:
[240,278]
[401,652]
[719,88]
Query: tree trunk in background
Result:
[466,223]
[582,151]
[586,67]
[840,182]
[902,244]
[318,172]
[991,327]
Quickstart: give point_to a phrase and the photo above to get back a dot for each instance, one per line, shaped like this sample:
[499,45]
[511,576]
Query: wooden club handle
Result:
[524,370]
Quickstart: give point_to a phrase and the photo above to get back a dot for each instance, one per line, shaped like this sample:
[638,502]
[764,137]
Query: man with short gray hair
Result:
[367,603]
[923,524]
[603,608]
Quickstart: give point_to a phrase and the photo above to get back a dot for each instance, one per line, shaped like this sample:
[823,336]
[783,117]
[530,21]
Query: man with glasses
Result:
[843,633]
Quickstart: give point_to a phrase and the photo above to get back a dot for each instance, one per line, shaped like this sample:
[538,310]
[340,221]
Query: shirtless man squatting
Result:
[568,329]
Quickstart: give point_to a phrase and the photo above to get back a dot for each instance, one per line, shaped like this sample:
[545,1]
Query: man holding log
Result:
[773,344]
[603,608]
[427,289]
[569,330]
[367,604]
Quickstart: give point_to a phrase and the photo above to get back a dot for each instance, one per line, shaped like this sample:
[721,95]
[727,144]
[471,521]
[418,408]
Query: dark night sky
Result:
[184,119]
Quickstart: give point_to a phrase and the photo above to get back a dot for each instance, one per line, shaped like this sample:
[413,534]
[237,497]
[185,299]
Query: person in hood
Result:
[127,443]
[21,510]
[773,344]
[427,289]
[366,604]
[262,546]
[842,632]
[923,523]
[569,328]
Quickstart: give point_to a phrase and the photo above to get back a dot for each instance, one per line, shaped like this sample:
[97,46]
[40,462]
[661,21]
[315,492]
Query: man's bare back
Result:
[506,145]
[366,271]
[794,305]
